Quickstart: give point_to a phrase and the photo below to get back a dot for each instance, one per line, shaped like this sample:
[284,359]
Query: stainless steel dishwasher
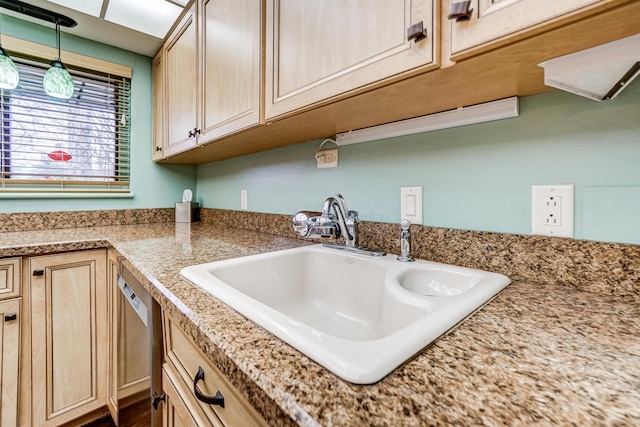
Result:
[138,354]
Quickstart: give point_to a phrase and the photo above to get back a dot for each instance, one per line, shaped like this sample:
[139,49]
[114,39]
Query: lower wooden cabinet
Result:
[9,360]
[68,336]
[186,364]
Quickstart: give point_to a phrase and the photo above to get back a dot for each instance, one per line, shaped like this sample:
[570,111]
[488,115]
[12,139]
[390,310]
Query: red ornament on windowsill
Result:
[59,156]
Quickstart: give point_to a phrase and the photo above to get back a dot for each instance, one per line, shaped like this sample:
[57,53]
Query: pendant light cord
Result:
[58,38]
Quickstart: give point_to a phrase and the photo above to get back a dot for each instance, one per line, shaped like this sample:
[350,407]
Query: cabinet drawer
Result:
[187,358]
[9,278]
[180,409]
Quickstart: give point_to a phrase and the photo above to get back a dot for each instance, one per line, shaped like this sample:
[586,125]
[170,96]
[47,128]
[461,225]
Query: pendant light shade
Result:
[57,81]
[9,76]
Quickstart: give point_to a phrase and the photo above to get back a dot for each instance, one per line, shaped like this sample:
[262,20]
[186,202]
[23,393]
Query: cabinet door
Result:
[492,20]
[181,85]
[69,335]
[9,357]
[231,57]
[317,49]
[157,79]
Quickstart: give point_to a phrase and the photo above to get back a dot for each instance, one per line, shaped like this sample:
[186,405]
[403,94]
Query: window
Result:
[75,145]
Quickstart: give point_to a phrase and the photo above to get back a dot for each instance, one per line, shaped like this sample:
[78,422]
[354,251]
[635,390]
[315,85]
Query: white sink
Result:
[358,316]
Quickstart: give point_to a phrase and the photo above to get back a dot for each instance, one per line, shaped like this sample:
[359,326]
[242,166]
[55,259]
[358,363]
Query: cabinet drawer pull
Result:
[218,399]
[38,272]
[10,316]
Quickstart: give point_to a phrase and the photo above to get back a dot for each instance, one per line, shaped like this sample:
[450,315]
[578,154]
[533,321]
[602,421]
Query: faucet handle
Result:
[405,225]
[302,221]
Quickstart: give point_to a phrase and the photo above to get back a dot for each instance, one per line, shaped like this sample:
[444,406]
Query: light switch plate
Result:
[552,210]
[411,204]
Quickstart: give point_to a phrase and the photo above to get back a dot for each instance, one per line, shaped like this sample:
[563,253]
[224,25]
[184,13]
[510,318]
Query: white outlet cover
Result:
[541,194]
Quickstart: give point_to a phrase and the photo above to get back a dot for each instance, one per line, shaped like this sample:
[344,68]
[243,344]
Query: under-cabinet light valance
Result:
[480,113]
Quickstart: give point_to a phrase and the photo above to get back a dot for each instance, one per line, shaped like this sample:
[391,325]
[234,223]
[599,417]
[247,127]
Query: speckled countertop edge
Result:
[537,354]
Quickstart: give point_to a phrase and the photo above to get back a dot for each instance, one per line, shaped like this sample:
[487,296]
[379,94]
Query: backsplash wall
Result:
[475,177]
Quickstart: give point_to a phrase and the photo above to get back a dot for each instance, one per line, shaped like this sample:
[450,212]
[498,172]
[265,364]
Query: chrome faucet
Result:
[405,242]
[347,221]
[335,220]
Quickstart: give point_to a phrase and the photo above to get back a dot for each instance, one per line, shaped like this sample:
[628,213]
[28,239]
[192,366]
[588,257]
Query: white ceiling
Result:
[136,25]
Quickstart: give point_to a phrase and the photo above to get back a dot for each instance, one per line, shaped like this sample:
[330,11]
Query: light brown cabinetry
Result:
[68,334]
[9,359]
[184,361]
[181,85]
[495,21]
[157,87]
[312,91]
[9,278]
[319,49]
[211,66]
[231,64]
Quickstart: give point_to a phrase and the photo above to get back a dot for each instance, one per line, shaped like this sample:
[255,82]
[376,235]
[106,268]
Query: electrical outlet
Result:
[327,158]
[552,210]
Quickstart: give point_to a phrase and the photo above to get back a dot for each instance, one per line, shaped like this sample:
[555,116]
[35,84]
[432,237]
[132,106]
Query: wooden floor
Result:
[136,415]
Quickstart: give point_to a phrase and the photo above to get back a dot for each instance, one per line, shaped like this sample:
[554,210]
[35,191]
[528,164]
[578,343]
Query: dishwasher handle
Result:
[218,399]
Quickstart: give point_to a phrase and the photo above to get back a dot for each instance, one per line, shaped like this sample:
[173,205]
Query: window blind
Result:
[76,145]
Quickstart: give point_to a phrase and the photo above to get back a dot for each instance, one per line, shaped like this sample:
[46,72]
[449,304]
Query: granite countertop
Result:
[537,354]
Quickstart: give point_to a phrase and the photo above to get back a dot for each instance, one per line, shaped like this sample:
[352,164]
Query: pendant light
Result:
[9,75]
[57,81]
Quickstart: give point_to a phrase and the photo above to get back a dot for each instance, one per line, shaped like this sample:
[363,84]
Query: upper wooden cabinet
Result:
[333,66]
[493,22]
[157,85]
[231,66]
[318,49]
[212,74]
[181,85]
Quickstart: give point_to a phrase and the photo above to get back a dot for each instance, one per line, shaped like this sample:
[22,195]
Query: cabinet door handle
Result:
[158,148]
[194,132]
[218,399]
[10,316]
[38,272]
[416,32]
[460,11]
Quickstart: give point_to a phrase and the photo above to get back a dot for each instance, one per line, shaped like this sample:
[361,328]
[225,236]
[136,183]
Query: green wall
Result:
[152,185]
[476,177]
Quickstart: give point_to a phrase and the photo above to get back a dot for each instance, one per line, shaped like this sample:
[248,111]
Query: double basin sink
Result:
[358,316]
